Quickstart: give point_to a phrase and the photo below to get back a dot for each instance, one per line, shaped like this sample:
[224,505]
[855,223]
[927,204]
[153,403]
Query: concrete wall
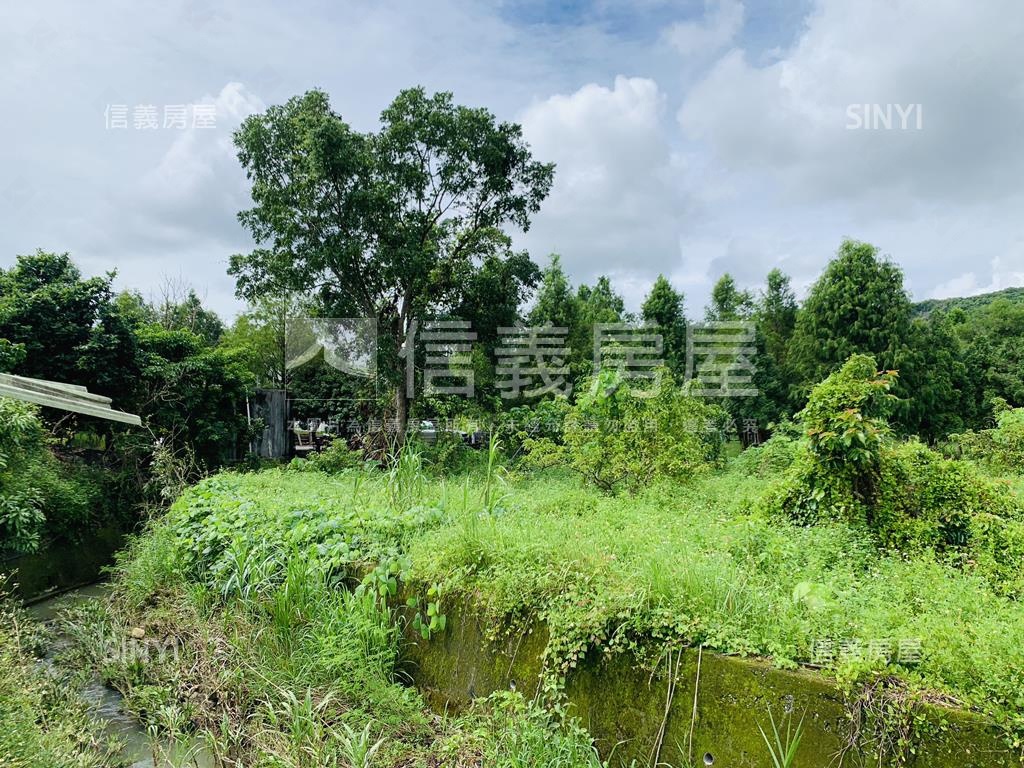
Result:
[624,706]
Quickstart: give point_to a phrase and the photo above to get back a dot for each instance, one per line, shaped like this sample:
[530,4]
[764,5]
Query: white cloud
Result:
[962,62]
[683,149]
[722,21]
[968,283]
[616,201]
[200,159]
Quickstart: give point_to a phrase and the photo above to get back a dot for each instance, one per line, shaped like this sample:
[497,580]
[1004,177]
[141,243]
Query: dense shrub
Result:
[41,495]
[337,457]
[837,470]
[546,419]
[619,438]
[1001,448]
[770,457]
[926,500]
[909,497]
[21,500]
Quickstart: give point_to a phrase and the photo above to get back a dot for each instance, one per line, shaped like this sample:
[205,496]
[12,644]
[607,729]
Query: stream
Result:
[105,703]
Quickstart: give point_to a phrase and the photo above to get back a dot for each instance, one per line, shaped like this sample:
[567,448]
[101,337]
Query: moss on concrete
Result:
[623,706]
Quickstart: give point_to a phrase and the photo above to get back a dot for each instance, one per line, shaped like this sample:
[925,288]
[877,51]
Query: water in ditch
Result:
[105,703]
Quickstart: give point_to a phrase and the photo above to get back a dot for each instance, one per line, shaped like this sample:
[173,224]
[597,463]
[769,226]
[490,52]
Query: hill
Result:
[968,303]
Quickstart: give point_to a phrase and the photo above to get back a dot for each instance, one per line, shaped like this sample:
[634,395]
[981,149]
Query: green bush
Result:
[771,457]
[22,455]
[337,457]
[619,438]
[926,500]
[836,471]
[1001,448]
[546,419]
[40,494]
[908,497]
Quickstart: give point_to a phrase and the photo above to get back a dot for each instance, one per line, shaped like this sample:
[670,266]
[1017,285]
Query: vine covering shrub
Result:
[619,438]
[1001,448]
[849,468]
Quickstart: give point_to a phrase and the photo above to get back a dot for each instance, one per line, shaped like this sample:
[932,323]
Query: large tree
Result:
[382,225]
[66,327]
[857,306]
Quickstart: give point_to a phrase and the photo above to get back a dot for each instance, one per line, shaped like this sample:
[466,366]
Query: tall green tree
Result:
[775,317]
[556,303]
[383,224]
[942,396]
[857,306]
[492,299]
[187,313]
[665,308]
[559,306]
[776,314]
[728,302]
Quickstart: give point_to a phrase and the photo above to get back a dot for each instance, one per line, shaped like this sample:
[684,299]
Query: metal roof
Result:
[68,397]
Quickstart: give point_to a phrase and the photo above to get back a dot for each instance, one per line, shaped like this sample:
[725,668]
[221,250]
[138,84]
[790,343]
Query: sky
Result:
[691,137]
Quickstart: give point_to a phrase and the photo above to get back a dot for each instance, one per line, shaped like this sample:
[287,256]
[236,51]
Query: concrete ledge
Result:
[624,707]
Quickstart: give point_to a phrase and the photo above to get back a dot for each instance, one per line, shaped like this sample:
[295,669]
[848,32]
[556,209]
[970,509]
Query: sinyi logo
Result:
[887,117]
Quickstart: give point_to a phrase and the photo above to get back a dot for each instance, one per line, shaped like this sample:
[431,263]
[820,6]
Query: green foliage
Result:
[43,722]
[41,495]
[664,307]
[335,458]
[21,450]
[1001,448]
[507,731]
[715,573]
[783,745]
[775,315]
[928,501]
[857,306]
[836,471]
[728,302]
[154,361]
[85,339]
[11,355]
[544,420]
[844,419]
[195,394]
[619,437]
[393,221]
[968,303]
[769,458]
[906,495]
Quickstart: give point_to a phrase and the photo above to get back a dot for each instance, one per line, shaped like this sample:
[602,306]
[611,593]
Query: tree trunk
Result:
[401,411]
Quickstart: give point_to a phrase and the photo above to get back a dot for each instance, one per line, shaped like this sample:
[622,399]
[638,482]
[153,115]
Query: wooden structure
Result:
[67,397]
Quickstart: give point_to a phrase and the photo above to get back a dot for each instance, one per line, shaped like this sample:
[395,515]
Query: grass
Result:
[691,562]
[42,720]
[283,664]
[279,666]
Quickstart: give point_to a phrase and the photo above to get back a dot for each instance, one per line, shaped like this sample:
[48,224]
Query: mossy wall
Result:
[626,707]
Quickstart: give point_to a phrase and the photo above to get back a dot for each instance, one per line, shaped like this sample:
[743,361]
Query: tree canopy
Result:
[388,224]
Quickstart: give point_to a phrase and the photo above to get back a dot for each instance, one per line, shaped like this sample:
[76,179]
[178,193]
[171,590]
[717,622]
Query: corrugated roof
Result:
[68,397]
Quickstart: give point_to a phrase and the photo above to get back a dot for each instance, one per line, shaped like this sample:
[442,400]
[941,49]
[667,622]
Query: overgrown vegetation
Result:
[724,571]
[42,722]
[619,436]
[882,510]
[42,496]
